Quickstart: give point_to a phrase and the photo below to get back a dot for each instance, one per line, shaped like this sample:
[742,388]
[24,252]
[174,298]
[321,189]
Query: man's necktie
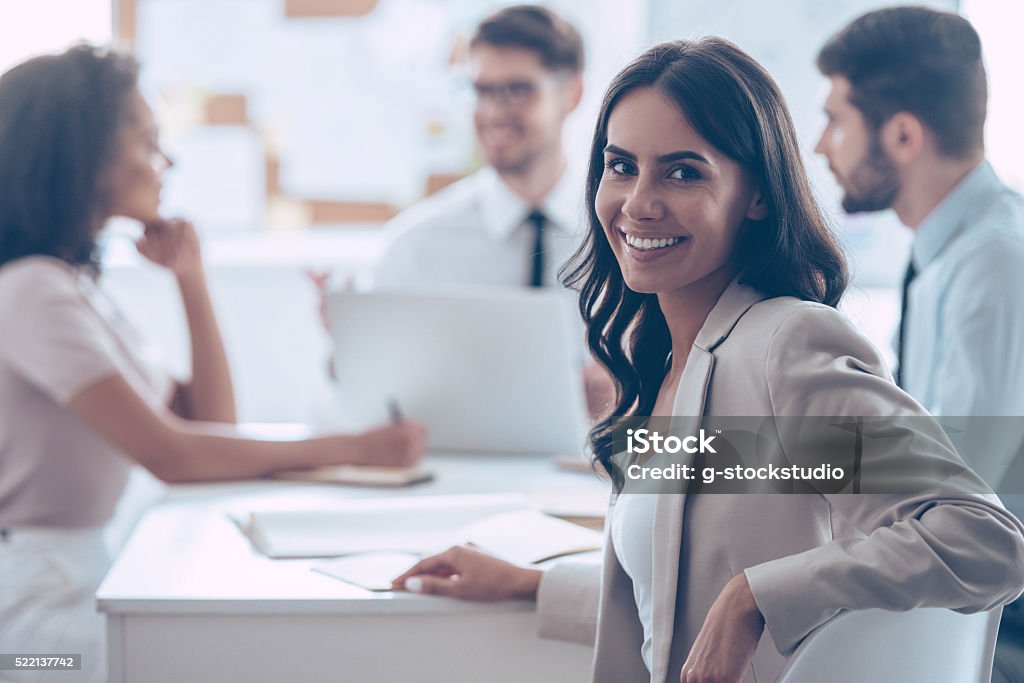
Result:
[538,221]
[901,338]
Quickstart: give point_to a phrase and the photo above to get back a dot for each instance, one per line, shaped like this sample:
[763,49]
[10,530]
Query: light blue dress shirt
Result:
[964,337]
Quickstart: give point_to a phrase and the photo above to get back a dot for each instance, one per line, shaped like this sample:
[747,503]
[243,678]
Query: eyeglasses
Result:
[513,94]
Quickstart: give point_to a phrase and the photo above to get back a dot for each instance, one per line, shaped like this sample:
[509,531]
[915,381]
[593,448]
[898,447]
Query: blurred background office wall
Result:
[299,126]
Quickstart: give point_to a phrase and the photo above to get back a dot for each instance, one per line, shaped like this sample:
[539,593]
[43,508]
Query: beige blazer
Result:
[807,557]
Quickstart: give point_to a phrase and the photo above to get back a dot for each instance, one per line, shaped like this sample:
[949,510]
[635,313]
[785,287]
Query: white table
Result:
[189,599]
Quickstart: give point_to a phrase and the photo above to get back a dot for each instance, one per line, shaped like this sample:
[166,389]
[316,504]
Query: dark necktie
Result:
[538,221]
[907,279]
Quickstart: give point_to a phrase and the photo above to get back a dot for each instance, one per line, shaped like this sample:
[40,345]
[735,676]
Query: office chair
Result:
[925,645]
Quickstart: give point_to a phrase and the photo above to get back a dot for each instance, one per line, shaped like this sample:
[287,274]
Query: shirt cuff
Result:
[784,594]
[567,602]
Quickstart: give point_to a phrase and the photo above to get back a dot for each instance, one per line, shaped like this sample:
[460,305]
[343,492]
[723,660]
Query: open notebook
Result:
[504,525]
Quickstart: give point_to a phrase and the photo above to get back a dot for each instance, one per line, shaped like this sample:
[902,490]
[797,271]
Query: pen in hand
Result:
[394,411]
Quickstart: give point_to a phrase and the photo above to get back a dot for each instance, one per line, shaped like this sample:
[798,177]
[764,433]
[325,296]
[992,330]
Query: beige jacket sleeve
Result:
[960,550]
[567,601]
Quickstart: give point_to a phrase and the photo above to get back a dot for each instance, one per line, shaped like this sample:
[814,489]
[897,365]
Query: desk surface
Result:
[186,557]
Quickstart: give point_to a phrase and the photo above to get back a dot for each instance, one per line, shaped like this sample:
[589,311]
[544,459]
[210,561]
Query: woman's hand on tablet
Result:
[466,573]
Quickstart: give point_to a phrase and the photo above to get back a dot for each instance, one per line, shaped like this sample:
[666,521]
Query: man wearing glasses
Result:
[514,222]
[517,220]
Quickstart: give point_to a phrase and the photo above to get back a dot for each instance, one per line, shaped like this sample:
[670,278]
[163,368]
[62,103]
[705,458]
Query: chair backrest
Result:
[920,646]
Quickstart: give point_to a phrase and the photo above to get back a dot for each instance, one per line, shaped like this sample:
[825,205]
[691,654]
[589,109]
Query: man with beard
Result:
[906,114]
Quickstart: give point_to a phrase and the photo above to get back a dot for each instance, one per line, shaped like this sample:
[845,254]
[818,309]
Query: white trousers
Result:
[48,578]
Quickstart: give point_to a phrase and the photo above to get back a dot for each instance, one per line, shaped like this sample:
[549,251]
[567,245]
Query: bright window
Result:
[31,27]
[998,22]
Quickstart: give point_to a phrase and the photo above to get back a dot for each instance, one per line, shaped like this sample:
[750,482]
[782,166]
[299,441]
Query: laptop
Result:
[486,370]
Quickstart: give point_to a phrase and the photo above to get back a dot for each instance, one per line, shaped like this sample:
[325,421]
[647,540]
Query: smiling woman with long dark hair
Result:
[709,281]
[790,250]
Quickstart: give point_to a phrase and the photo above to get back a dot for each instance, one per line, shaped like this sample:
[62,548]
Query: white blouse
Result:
[632,536]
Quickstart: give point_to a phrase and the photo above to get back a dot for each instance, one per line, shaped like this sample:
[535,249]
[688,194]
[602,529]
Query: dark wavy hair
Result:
[59,119]
[736,106]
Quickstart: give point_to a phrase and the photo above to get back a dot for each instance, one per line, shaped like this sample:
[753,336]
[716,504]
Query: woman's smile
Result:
[643,248]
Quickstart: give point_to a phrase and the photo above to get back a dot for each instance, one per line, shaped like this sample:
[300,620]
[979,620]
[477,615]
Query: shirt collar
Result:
[949,218]
[504,211]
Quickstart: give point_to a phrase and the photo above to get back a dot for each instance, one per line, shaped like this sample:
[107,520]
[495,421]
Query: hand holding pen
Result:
[400,443]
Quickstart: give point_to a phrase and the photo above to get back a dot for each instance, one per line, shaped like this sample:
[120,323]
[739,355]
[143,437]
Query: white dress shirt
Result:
[965,318]
[475,232]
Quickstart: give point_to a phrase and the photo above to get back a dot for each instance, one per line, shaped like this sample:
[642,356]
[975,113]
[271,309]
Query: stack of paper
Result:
[522,537]
[372,571]
[503,525]
[586,508]
[529,536]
